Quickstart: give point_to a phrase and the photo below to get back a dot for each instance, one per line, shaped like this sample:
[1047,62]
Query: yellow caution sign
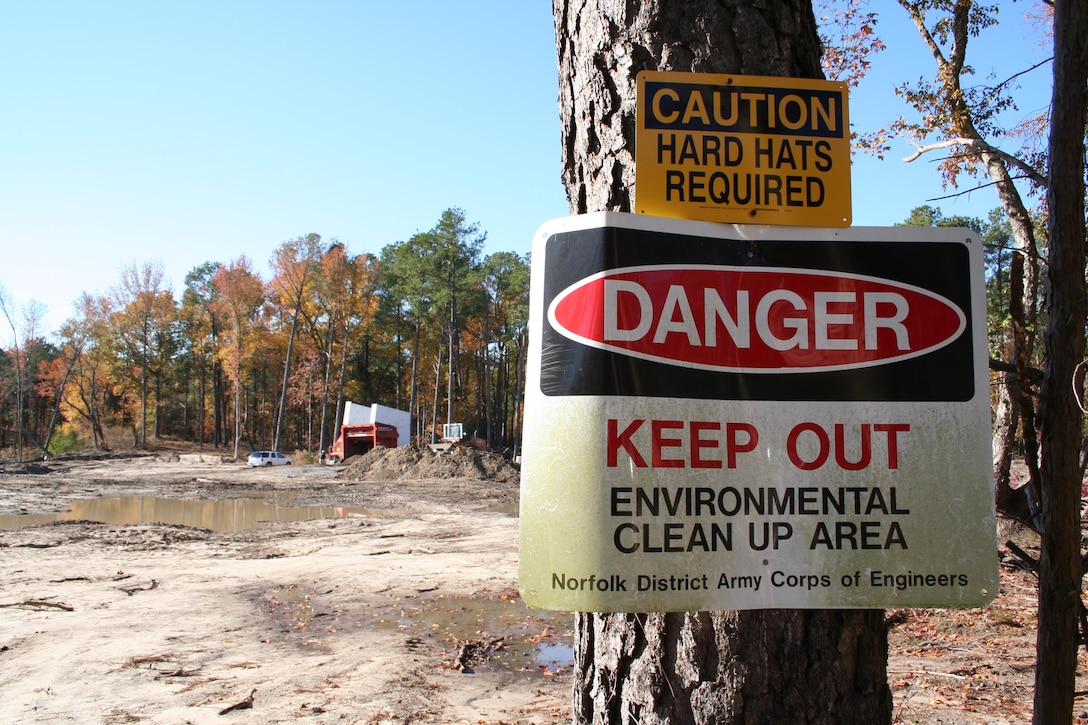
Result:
[742,149]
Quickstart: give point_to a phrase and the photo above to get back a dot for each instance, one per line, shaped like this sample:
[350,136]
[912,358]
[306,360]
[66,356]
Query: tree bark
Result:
[785,666]
[1060,567]
[602,46]
[811,666]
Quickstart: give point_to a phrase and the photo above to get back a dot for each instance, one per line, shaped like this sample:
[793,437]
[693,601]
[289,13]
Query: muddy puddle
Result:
[481,634]
[222,516]
[496,634]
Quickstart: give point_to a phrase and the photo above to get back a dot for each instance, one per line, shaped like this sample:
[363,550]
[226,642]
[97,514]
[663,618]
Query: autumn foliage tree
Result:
[294,264]
[240,297]
[143,324]
[345,306]
[238,360]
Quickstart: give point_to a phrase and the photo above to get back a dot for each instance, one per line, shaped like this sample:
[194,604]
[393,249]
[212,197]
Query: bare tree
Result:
[24,323]
[7,308]
[816,666]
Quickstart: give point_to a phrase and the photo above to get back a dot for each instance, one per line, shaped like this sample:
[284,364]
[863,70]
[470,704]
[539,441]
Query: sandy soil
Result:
[400,606]
[406,613]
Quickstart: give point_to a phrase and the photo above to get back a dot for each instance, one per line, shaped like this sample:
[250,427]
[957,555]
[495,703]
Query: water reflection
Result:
[221,516]
[532,639]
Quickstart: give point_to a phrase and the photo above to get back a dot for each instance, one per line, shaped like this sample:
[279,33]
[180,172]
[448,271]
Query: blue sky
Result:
[196,131]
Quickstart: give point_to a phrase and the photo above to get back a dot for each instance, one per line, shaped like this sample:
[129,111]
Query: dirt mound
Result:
[411,463]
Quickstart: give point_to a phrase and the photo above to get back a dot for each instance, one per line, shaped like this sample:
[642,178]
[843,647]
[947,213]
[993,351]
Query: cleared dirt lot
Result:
[402,609]
[398,605]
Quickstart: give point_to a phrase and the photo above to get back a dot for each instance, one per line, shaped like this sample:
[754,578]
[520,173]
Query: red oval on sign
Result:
[754,319]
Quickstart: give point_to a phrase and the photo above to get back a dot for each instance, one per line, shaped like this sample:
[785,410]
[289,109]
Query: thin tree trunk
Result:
[143,387]
[1009,502]
[398,342]
[449,375]
[812,666]
[325,392]
[238,398]
[1021,301]
[502,395]
[400,372]
[57,400]
[287,372]
[96,419]
[18,366]
[156,431]
[489,408]
[1060,567]
[220,393]
[519,383]
[203,397]
[412,398]
[437,379]
[341,380]
[453,333]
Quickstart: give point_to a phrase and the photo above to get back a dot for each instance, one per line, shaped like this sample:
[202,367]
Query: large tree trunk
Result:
[795,666]
[1060,567]
[810,666]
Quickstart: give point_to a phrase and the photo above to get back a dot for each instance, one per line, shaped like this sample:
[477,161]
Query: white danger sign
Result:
[726,417]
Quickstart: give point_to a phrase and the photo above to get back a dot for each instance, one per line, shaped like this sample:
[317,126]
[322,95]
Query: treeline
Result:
[429,325]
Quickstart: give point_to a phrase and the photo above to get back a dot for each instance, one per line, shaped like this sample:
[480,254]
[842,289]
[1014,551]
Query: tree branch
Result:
[981,146]
[980,187]
[920,23]
[960,23]
[1000,366]
[1014,76]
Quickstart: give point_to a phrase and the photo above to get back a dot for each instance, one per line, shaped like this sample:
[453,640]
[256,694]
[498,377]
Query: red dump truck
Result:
[355,440]
[364,428]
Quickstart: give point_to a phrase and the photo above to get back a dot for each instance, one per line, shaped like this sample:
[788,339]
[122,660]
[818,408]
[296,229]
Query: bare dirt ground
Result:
[398,605]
